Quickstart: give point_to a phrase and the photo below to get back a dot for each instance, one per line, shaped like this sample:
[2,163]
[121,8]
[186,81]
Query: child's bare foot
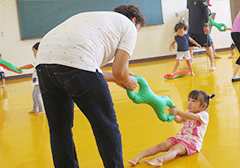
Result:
[192,74]
[213,68]
[154,162]
[135,161]
[184,68]
[131,162]
[232,56]
[39,112]
[32,112]
[217,56]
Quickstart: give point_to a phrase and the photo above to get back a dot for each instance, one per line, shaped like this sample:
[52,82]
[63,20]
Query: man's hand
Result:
[131,82]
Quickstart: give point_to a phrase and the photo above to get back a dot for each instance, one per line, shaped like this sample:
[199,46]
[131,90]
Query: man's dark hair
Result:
[131,11]
[35,46]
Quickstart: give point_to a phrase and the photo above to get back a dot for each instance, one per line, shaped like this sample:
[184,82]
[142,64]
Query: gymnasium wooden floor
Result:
[24,138]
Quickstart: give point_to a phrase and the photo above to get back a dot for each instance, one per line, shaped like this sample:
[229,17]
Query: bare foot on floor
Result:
[39,112]
[32,112]
[232,56]
[212,68]
[217,56]
[154,162]
[133,162]
[184,68]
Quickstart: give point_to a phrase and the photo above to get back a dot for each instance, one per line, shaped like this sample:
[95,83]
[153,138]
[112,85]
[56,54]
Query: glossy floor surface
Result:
[24,138]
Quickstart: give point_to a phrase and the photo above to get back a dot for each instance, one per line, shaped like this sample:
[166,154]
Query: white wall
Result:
[223,15]
[152,41]
[13,49]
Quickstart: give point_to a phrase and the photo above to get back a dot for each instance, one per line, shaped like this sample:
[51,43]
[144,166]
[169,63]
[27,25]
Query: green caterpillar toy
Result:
[9,66]
[146,95]
[217,25]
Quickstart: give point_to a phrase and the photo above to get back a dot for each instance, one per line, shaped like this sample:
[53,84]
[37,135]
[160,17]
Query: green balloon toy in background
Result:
[146,95]
[217,25]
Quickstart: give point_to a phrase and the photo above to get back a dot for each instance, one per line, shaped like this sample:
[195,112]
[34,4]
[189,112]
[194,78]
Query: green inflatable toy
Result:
[9,66]
[217,25]
[146,95]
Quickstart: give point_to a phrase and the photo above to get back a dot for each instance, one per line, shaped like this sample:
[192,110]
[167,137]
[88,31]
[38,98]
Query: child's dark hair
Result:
[35,46]
[201,96]
[132,11]
[180,25]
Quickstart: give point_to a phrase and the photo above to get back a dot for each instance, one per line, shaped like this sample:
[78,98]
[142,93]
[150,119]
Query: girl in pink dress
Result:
[189,141]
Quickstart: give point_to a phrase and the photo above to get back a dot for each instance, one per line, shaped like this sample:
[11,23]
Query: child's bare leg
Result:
[233,53]
[191,49]
[176,65]
[189,63]
[3,83]
[178,149]
[161,147]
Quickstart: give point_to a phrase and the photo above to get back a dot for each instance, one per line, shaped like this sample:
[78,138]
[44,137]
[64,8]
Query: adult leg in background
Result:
[236,39]
[211,58]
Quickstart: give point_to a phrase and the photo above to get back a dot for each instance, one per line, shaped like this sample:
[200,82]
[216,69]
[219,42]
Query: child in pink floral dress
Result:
[189,141]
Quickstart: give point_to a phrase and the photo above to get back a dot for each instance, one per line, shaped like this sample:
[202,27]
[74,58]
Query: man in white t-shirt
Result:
[68,65]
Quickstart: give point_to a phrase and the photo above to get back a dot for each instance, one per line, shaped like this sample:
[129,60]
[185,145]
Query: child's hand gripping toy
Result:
[146,95]
[217,25]
[9,66]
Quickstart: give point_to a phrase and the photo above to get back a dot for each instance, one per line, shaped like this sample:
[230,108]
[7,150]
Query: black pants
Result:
[236,39]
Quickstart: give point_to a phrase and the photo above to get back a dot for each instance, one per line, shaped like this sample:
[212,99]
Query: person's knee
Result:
[179,149]
[164,145]
[178,61]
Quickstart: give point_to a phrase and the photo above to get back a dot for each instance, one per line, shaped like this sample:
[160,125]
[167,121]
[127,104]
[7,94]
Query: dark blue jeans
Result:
[61,86]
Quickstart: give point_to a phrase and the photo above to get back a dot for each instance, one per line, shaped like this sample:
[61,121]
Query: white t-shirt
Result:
[2,69]
[34,76]
[194,130]
[88,40]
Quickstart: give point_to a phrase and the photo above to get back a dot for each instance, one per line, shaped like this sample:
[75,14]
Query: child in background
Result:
[183,46]
[235,33]
[38,107]
[2,75]
[189,141]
